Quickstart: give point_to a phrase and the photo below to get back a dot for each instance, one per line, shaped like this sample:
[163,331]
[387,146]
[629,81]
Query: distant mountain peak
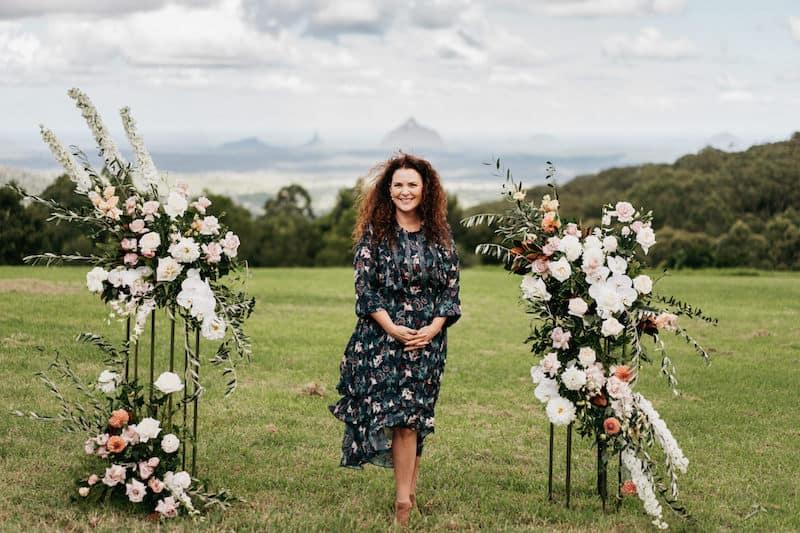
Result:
[248,143]
[412,135]
[316,140]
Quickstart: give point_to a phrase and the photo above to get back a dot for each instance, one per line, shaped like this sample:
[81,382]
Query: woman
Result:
[407,282]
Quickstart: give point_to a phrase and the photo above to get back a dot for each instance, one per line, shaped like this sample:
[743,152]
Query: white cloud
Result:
[41,8]
[794,24]
[460,46]
[515,78]
[648,44]
[605,8]
[437,13]
[737,95]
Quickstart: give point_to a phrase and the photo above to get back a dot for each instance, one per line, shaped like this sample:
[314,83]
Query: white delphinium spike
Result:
[76,172]
[110,151]
[674,454]
[146,167]
[645,487]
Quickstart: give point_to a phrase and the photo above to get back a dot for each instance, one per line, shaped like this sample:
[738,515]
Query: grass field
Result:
[277,446]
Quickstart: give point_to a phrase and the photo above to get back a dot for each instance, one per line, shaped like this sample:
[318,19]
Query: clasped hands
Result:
[414,339]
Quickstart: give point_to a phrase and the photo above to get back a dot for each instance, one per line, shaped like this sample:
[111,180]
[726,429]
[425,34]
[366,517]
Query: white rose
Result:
[168,383]
[643,284]
[95,278]
[560,269]
[646,238]
[209,225]
[606,297]
[148,428]
[597,276]
[115,276]
[571,247]
[591,241]
[593,259]
[179,481]
[533,288]
[577,307]
[185,250]
[213,327]
[625,211]
[537,374]
[586,356]
[176,205]
[610,244]
[149,242]
[107,381]
[546,389]
[170,443]
[617,264]
[611,327]
[573,378]
[626,230]
[83,491]
[168,269]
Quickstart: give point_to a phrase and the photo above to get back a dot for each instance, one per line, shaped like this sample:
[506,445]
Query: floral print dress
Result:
[382,386]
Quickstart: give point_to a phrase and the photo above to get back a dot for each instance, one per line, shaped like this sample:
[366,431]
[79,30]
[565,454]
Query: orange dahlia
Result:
[624,373]
[119,418]
[629,488]
[115,444]
[611,425]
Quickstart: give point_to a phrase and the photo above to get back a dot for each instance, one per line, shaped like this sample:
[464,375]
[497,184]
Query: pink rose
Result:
[101,439]
[145,470]
[114,475]
[156,485]
[137,226]
[128,244]
[102,452]
[130,436]
[560,338]
[540,266]
[153,462]
[201,204]
[130,259]
[88,446]
[150,208]
[625,211]
[572,229]
[552,246]
[213,252]
[113,213]
[550,363]
[167,507]
[636,226]
[230,244]
[130,205]
[93,479]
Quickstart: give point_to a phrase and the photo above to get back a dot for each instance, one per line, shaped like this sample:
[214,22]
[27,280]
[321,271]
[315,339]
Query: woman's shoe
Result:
[402,511]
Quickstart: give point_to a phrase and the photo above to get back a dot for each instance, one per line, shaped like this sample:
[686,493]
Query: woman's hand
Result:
[423,337]
[402,334]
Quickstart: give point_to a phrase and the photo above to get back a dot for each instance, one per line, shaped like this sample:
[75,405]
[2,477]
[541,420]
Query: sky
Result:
[208,71]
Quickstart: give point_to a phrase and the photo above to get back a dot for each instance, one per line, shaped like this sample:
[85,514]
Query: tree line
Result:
[712,209]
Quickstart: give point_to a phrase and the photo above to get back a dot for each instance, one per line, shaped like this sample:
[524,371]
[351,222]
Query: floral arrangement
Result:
[592,305]
[158,248]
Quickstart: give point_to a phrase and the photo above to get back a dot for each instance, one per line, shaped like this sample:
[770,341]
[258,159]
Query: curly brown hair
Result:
[376,209]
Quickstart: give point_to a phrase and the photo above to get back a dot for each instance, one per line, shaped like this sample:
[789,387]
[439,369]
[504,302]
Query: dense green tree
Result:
[17,229]
[286,233]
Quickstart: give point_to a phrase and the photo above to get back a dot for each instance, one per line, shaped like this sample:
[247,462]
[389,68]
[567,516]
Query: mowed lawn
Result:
[274,443]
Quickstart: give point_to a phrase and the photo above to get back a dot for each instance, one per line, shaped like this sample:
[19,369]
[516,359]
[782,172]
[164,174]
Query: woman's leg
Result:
[414,482]
[404,453]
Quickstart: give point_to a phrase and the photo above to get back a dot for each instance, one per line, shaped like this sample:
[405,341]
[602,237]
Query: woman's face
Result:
[406,189]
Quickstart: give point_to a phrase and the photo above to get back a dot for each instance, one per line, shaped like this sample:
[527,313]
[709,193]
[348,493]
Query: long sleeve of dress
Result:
[368,296]
[448,303]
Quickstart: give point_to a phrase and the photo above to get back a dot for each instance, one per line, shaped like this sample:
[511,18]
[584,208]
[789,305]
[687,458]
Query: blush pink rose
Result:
[128,244]
[138,226]
[130,259]
[560,338]
[155,484]
[145,470]
[552,246]
[150,207]
[636,226]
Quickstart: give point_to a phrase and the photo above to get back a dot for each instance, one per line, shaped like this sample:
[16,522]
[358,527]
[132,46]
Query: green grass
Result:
[486,466]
